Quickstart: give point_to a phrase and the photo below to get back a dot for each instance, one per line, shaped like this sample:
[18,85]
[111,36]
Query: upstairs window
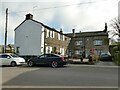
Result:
[50,34]
[79,43]
[78,52]
[98,42]
[60,37]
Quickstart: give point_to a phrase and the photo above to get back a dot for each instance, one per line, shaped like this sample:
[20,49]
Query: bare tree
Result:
[116,25]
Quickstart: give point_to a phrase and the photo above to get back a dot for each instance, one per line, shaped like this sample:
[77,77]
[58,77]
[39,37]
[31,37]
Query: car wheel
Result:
[13,64]
[30,63]
[54,64]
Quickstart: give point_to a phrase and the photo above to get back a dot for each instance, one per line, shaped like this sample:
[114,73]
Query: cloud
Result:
[74,14]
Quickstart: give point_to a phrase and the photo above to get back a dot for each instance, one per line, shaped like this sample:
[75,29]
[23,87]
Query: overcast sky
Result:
[83,15]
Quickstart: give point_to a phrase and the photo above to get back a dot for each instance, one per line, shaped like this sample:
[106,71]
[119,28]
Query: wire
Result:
[55,7]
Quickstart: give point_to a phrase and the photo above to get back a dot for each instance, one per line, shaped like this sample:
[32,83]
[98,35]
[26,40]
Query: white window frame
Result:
[79,42]
[62,51]
[58,36]
[98,42]
[47,34]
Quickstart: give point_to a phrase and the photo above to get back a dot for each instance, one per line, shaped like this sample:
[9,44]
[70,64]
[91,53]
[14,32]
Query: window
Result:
[98,42]
[62,51]
[54,49]
[17,50]
[43,56]
[48,49]
[60,37]
[78,52]
[78,43]
[5,56]
[50,34]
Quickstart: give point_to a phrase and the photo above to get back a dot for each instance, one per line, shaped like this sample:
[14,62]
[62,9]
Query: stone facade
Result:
[86,43]
[56,42]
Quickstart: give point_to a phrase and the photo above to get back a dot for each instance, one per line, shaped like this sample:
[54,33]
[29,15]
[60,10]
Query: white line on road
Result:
[59,86]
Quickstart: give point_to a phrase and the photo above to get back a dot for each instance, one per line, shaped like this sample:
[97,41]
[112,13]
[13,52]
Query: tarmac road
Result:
[71,75]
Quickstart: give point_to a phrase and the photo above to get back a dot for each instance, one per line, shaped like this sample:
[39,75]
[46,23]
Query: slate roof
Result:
[88,34]
[53,29]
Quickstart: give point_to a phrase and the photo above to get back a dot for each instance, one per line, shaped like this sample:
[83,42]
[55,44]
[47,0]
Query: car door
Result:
[6,59]
[47,59]
[41,59]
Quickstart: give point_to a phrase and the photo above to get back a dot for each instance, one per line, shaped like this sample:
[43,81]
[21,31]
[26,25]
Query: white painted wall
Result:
[28,38]
[42,40]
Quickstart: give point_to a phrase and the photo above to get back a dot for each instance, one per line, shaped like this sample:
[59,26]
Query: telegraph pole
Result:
[6,30]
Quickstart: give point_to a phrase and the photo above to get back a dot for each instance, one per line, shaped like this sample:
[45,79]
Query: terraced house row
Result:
[33,38]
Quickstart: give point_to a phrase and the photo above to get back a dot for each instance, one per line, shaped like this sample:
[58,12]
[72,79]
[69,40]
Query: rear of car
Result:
[105,57]
[62,60]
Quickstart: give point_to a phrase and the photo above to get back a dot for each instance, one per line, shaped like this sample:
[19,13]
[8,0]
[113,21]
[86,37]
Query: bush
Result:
[95,58]
[116,55]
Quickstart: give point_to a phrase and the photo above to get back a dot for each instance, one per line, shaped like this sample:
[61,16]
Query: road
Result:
[74,75]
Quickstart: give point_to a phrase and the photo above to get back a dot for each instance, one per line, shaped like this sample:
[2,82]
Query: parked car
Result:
[48,59]
[11,59]
[105,57]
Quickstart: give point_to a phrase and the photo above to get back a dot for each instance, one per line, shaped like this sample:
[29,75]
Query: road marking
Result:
[59,86]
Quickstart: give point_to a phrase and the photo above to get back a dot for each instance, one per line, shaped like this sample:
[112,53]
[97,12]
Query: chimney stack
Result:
[73,31]
[29,16]
[105,30]
[61,30]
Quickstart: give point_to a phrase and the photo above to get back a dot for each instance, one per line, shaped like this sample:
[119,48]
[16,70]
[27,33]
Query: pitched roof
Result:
[88,34]
[53,29]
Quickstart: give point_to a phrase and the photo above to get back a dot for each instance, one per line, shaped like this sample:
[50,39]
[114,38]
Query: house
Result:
[86,43]
[33,38]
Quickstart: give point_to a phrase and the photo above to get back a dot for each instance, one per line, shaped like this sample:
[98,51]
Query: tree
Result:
[116,25]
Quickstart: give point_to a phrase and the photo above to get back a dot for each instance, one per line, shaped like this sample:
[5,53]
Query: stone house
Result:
[87,43]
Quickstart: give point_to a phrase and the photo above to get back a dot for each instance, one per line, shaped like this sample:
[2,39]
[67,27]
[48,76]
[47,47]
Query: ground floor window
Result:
[62,51]
[48,49]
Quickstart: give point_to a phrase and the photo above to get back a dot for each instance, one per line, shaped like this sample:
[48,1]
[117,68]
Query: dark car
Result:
[48,59]
[105,57]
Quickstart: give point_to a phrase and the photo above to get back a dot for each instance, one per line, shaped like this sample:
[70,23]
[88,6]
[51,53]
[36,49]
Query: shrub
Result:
[116,54]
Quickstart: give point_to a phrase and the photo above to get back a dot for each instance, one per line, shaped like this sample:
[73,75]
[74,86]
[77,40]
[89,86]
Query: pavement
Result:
[107,64]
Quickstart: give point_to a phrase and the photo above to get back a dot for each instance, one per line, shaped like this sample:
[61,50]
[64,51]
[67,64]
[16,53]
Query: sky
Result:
[82,15]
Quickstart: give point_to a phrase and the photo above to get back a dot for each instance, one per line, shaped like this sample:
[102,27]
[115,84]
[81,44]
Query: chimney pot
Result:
[73,30]
[29,16]
[61,30]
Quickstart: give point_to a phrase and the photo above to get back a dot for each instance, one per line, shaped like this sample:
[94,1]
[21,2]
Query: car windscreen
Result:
[13,55]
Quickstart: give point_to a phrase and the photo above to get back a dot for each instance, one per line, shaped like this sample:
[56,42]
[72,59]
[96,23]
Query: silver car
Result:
[11,59]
